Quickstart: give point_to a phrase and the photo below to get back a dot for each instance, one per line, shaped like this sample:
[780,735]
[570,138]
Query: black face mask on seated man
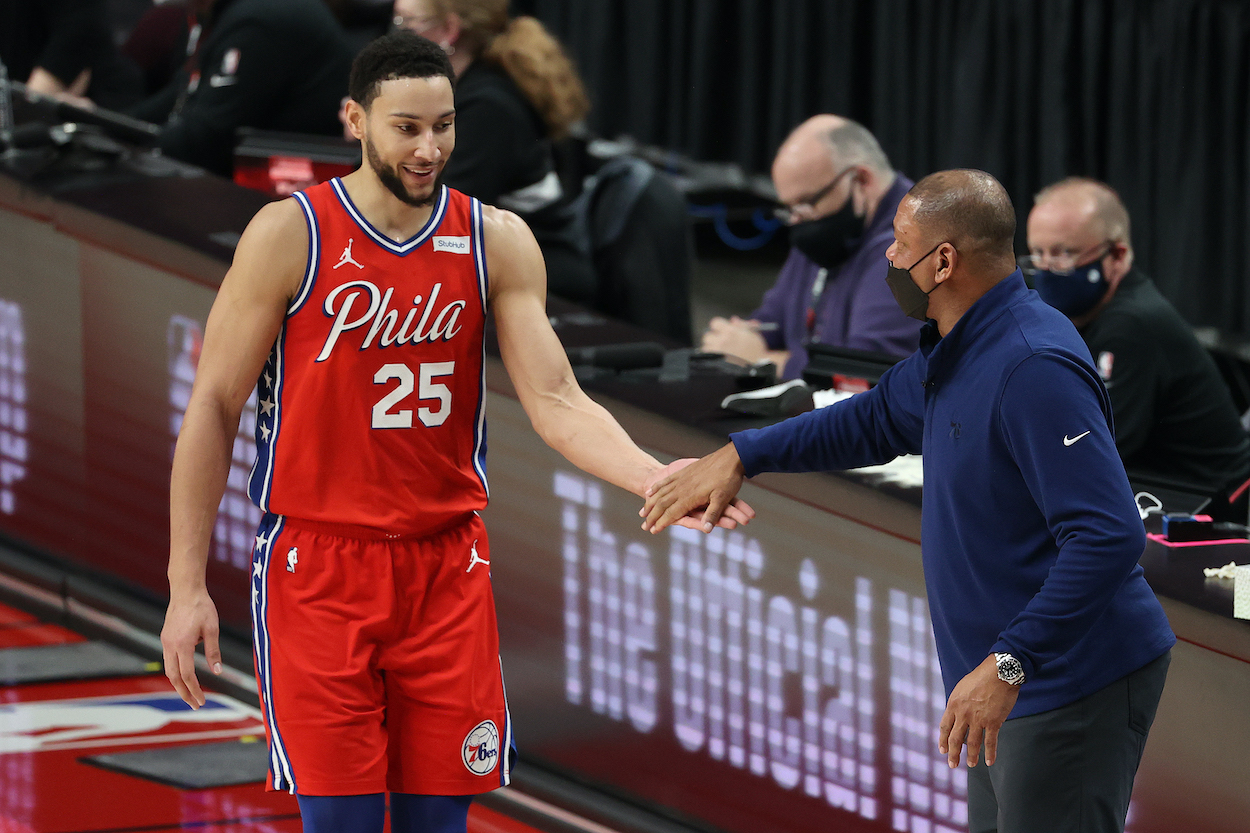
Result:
[911,299]
[829,241]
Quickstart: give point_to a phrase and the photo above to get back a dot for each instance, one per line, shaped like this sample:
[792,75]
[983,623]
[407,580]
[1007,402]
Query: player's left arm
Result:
[563,415]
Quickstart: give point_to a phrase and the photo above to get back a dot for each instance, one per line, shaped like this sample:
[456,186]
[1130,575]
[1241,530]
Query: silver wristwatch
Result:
[1010,670]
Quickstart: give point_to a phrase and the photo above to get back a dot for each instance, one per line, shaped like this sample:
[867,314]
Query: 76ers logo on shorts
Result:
[481,748]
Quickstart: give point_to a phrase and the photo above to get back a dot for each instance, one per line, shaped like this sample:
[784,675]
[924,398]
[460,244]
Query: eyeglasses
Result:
[797,213]
[1065,262]
[420,24]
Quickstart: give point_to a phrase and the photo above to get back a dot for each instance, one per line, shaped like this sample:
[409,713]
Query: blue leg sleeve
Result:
[342,813]
[429,813]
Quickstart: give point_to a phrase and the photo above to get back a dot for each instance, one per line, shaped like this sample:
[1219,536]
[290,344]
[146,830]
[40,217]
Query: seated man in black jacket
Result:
[516,93]
[1174,416]
[268,64]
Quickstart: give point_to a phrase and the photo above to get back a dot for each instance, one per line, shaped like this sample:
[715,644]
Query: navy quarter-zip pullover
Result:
[1030,536]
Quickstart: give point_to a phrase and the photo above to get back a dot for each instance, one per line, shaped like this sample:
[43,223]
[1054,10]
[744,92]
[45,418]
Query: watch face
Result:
[1010,670]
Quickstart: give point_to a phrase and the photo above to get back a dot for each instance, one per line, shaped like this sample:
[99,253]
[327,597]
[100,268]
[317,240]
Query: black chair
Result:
[634,223]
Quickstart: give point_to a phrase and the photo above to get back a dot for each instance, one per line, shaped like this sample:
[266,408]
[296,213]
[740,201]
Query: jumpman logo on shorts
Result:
[347,258]
[475,559]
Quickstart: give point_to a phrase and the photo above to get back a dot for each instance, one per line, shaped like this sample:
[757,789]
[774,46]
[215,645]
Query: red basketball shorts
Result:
[378,660]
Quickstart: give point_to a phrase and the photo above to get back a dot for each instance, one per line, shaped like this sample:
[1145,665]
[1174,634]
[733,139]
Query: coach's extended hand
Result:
[710,484]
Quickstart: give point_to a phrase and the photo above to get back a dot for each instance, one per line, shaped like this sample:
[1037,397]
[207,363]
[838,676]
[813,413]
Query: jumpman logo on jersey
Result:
[475,559]
[347,258]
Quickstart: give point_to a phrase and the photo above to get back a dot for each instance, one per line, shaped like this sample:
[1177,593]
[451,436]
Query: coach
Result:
[1054,650]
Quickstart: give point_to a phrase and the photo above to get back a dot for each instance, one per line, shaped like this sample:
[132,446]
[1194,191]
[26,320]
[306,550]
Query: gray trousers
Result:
[1071,769]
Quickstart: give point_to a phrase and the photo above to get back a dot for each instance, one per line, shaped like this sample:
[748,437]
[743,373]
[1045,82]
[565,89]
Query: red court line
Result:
[28,636]
[19,629]
[13,616]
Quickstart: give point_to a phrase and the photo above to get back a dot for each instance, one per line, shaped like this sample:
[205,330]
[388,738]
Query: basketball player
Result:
[360,304]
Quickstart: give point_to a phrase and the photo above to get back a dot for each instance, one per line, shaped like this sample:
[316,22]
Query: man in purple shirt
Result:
[840,195]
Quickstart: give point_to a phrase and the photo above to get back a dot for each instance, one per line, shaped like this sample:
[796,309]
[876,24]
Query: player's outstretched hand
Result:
[189,621]
[974,713]
[700,495]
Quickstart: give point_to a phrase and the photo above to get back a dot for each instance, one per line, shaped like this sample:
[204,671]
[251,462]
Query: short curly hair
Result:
[398,54]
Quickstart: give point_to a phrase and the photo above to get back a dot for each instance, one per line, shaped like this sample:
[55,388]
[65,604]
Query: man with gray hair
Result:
[839,194]
[1174,416]
[1053,648]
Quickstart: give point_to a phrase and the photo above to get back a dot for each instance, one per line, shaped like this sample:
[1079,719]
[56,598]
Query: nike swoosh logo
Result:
[1069,441]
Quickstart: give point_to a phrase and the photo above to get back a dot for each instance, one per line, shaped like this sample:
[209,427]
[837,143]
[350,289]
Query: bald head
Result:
[818,149]
[970,209]
[808,139]
[1093,206]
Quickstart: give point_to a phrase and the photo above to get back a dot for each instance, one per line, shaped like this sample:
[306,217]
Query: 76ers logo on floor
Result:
[481,748]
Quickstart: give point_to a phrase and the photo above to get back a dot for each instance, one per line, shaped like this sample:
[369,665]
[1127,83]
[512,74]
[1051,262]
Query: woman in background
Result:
[516,93]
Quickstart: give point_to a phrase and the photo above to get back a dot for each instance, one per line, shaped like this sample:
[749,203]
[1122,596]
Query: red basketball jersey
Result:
[371,408]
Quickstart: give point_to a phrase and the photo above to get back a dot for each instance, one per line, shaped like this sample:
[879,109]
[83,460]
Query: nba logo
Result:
[145,718]
[481,748]
[1106,360]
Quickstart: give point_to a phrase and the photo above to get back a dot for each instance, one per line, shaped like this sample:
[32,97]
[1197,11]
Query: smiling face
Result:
[408,133]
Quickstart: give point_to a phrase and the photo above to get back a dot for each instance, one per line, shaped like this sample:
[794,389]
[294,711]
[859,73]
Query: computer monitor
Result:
[282,163]
[845,368]
[43,110]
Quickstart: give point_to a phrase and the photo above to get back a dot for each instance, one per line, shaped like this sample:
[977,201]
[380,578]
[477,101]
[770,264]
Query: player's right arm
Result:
[269,264]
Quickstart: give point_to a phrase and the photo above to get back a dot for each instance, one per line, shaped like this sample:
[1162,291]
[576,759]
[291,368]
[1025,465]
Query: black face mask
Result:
[829,241]
[911,299]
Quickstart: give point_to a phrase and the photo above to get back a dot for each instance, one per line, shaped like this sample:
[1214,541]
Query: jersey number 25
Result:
[426,387]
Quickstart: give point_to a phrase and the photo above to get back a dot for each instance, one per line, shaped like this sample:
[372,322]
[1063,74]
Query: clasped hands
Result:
[699,494]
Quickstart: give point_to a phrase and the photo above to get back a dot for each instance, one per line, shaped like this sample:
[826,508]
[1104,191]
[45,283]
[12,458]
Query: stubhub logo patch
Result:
[459,245]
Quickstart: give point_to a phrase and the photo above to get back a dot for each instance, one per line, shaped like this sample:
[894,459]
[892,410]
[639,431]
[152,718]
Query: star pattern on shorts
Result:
[264,537]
